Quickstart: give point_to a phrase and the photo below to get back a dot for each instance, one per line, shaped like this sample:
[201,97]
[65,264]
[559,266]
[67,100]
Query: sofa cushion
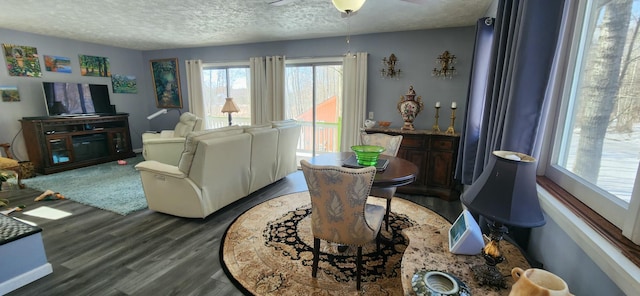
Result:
[282,123]
[186,124]
[7,163]
[191,143]
[250,128]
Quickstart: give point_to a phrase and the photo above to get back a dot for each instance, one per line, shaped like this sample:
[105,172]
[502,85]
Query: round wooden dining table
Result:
[398,172]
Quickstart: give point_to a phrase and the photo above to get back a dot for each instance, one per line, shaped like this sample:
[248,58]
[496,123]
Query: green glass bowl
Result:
[367,155]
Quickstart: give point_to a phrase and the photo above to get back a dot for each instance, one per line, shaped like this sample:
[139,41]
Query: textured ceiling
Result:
[164,24]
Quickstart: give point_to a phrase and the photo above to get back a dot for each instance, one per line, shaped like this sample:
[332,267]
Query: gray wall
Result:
[123,61]
[416,50]
[561,255]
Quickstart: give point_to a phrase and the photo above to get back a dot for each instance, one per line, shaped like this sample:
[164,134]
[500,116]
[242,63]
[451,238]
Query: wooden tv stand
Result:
[60,143]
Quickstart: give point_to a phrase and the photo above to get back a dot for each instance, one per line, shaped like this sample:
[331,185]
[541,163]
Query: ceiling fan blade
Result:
[280,2]
[415,1]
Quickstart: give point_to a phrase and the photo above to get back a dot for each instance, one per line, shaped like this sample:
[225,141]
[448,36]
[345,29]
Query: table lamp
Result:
[230,107]
[505,194]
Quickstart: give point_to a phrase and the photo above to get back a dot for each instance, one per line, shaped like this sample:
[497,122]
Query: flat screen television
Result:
[67,98]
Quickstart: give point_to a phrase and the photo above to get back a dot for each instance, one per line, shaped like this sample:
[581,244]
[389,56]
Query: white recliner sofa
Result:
[167,146]
[220,166]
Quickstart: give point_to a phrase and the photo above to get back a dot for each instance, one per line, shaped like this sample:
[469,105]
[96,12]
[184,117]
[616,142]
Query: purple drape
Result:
[475,103]
[505,101]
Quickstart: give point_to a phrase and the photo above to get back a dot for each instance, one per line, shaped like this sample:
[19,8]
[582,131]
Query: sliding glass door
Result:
[313,96]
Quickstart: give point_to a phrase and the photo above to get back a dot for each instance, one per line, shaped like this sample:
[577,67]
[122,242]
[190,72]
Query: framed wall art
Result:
[94,66]
[22,60]
[166,82]
[57,64]
[9,93]
[124,84]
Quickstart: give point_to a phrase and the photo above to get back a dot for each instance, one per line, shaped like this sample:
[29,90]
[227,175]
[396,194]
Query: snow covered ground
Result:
[619,164]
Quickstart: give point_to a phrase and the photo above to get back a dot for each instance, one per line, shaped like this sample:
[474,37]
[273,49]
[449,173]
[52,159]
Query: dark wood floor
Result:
[96,252]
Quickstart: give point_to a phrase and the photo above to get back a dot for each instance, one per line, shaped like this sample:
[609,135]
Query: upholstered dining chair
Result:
[339,209]
[8,163]
[391,145]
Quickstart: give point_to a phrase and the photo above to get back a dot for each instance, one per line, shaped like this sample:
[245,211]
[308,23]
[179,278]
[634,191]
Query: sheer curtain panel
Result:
[194,87]
[259,106]
[354,99]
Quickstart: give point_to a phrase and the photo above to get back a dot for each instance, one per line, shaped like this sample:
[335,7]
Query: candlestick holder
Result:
[450,130]
[436,127]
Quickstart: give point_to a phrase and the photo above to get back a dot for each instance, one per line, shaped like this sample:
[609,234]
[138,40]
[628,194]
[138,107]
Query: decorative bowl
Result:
[367,155]
[441,284]
[369,123]
[384,123]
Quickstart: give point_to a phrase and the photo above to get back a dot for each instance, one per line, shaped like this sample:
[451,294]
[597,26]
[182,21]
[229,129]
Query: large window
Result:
[313,91]
[596,152]
[221,81]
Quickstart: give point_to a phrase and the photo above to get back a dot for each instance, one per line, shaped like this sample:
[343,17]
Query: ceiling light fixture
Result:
[348,6]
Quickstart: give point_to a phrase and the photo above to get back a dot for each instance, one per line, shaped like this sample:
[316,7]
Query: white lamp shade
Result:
[348,5]
[230,106]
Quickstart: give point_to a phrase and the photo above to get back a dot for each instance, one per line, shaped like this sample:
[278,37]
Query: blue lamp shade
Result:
[506,191]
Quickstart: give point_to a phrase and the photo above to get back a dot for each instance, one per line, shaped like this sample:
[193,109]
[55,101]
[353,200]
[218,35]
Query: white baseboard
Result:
[25,278]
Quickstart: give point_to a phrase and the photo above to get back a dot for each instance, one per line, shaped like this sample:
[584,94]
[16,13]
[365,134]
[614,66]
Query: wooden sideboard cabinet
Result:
[435,155]
[58,143]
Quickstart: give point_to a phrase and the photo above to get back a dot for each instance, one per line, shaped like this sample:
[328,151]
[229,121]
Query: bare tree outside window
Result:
[602,134]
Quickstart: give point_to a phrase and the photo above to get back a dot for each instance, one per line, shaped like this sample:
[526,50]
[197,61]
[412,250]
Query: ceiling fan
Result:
[416,1]
[280,2]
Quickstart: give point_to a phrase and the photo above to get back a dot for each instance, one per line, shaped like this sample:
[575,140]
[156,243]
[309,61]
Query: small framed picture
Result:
[166,83]
[124,84]
[9,93]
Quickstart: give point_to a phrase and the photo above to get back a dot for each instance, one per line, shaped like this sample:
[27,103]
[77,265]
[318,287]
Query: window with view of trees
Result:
[225,81]
[597,144]
[313,97]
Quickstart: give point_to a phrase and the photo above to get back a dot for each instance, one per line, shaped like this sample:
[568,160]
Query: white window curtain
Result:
[267,89]
[354,99]
[194,87]
[259,108]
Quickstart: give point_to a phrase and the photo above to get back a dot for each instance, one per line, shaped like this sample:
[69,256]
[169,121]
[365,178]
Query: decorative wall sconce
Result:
[389,70]
[445,62]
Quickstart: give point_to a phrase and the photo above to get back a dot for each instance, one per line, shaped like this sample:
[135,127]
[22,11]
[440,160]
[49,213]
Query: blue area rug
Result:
[108,186]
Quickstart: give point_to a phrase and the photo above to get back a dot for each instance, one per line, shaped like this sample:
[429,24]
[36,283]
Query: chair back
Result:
[188,122]
[390,143]
[338,200]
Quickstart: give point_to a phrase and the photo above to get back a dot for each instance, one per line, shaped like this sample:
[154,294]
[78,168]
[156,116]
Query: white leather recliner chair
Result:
[220,166]
[166,146]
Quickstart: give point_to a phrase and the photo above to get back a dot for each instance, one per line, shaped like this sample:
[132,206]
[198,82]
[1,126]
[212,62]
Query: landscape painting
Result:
[57,64]
[9,93]
[124,84]
[166,83]
[94,66]
[22,60]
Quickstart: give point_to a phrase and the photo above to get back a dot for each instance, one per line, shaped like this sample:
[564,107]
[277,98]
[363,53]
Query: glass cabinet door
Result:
[59,149]
[118,142]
